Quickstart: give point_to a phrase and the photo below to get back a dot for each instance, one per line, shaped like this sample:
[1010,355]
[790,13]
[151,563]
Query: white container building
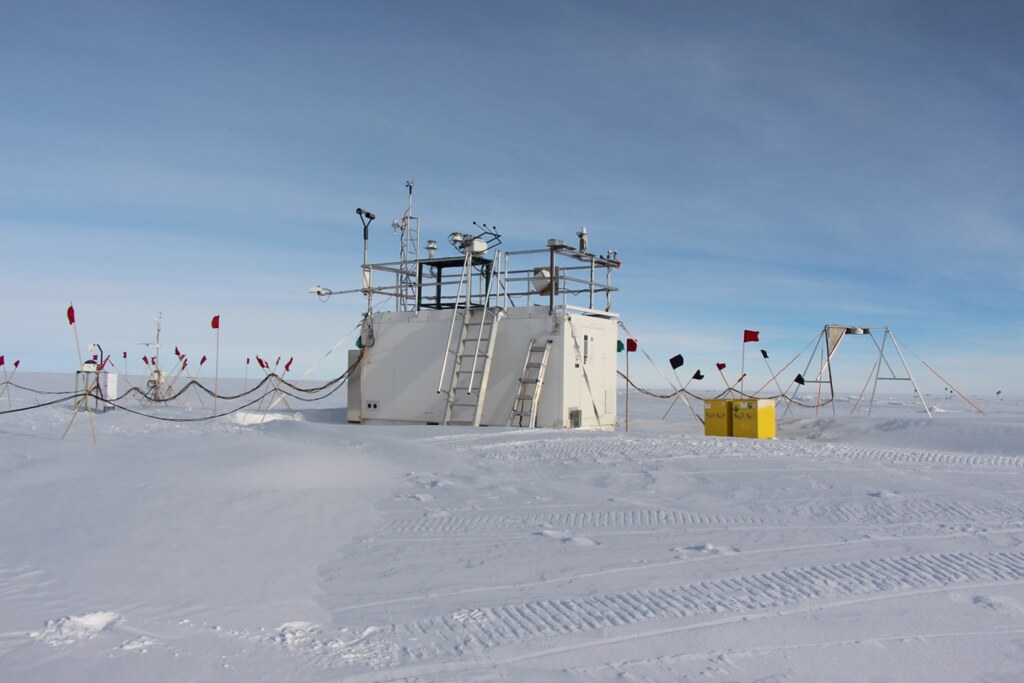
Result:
[486,338]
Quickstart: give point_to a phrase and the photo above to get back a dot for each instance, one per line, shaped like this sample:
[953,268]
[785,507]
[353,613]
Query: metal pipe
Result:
[554,284]
[909,374]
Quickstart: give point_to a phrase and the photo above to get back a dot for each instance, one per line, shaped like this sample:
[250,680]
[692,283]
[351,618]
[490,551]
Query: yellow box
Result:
[718,417]
[753,418]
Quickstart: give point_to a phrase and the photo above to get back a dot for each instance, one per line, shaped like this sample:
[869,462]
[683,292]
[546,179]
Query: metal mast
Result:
[410,252]
[155,383]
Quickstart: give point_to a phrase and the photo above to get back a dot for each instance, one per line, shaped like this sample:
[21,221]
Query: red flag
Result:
[202,360]
[750,336]
[720,366]
[247,359]
[177,352]
[16,364]
[1,360]
[71,315]
[631,345]
[184,363]
[288,365]
[145,360]
[215,323]
[259,362]
[125,354]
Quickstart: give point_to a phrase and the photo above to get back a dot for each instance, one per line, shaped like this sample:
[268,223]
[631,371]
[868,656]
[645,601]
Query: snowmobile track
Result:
[597,449]
[597,520]
[883,512]
[484,628]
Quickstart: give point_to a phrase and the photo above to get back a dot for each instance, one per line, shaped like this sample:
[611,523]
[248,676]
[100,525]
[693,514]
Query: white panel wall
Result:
[398,378]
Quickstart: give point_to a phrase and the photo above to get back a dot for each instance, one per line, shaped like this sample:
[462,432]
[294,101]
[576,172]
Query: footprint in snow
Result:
[708,549]
[566,537]
[140,644]
[303,636]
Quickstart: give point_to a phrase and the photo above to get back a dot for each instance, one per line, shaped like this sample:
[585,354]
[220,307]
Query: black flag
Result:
[799,379]
[697,375]
[764,354]
[676,361]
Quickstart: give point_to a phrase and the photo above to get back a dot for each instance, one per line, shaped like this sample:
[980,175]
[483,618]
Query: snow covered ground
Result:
[851,548]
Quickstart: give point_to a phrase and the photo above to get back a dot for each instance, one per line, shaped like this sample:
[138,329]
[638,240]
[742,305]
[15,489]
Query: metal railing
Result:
[558,277]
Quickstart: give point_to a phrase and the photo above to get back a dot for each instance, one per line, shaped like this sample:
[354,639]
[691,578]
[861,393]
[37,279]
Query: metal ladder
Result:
[530,384]
[471,361]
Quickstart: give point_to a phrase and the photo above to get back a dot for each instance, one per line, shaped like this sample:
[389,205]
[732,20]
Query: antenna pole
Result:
[366,218]
[409,250]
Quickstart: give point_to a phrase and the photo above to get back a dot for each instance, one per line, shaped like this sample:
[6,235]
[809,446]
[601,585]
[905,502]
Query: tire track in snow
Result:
[913,457]
[478,629]
[887,512]
[675,630]
[881,512]
[596,520]
[595,448]
[588,448]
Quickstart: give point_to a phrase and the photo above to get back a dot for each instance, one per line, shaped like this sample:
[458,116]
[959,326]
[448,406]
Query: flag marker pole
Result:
[195,379]
[13,372]
[280,392]
[627,387]
[774,376]
[216,373]
[265,367]
[681,394]
[733,387]
[216,362]
[7,383]
[85,382]
[748,336]
[678,394]
[728,387]
[275,381]
[677,362]
[743,362]
[178,369]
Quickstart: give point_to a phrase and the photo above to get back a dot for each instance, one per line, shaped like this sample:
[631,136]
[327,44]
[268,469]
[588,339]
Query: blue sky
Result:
[758,165]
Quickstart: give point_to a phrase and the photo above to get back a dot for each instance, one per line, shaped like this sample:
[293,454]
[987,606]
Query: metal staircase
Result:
[470,359]
[524,410]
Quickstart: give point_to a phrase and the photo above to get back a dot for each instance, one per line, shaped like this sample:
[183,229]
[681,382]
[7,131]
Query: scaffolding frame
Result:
[827,345]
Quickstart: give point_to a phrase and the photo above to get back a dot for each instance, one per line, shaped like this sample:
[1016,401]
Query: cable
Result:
[306,395]
[680,392]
